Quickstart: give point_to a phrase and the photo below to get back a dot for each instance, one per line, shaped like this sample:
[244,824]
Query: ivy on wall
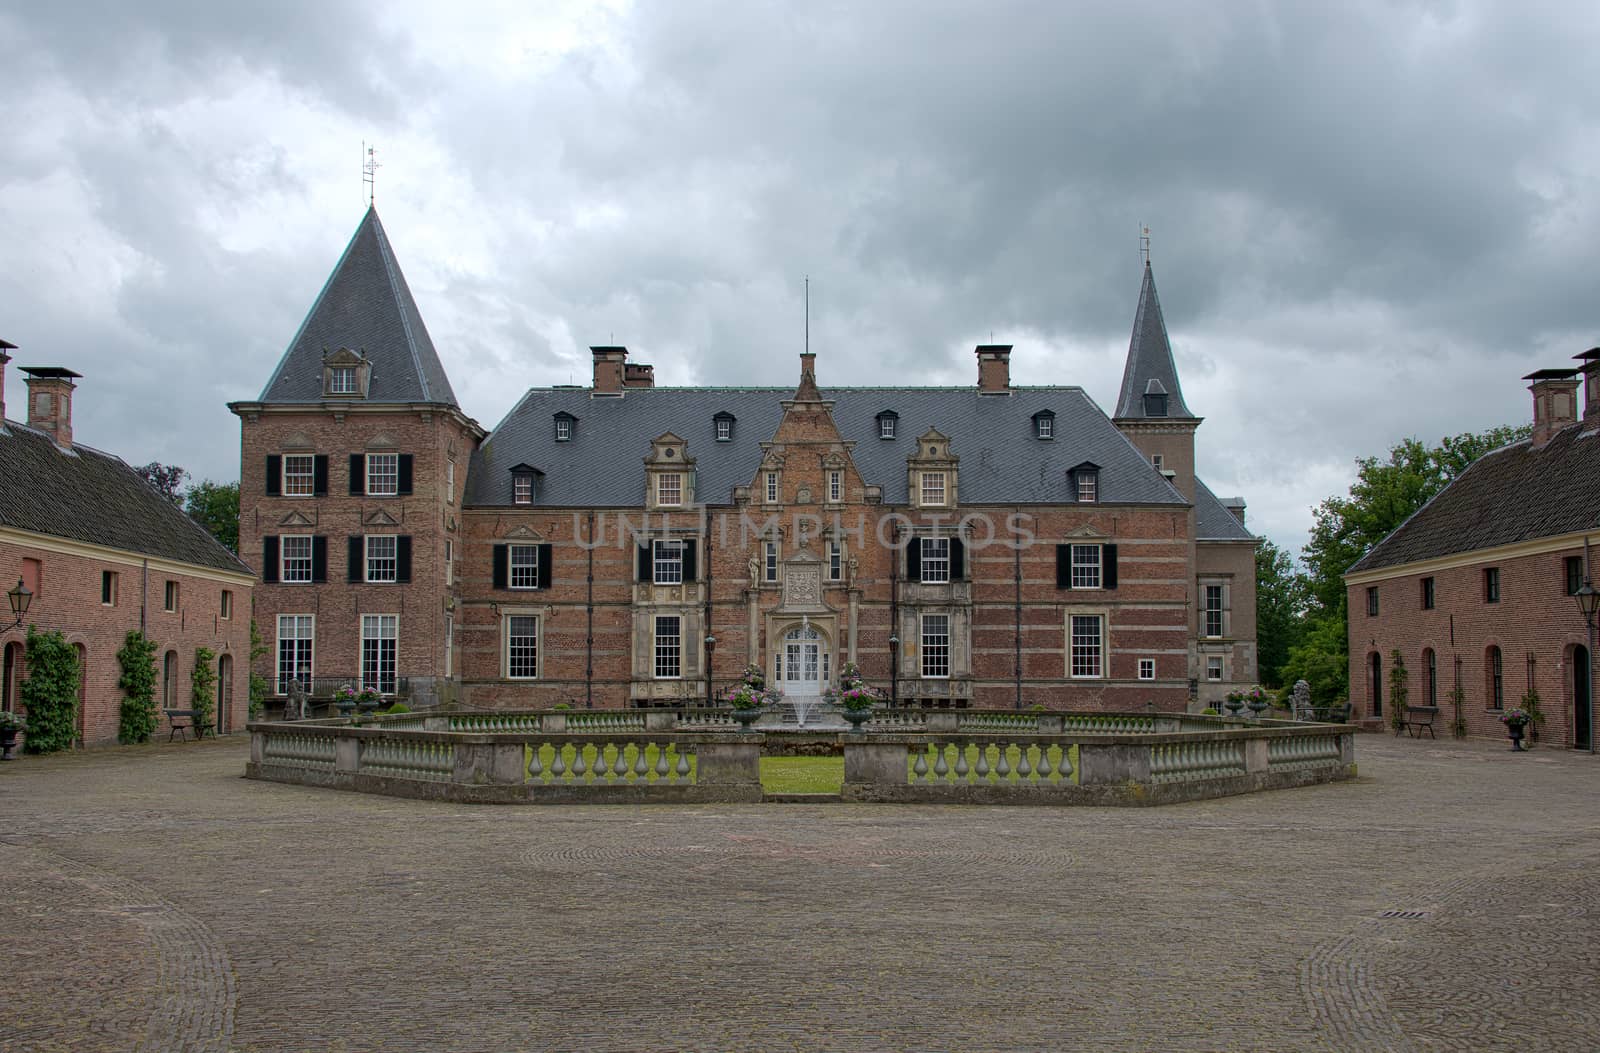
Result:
[203,688]
[51,692]
[138,682]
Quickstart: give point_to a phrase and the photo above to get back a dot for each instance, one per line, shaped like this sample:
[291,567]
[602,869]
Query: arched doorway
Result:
[10,676]
[1376,686]
[224,694]
[802,663]
[1581,731]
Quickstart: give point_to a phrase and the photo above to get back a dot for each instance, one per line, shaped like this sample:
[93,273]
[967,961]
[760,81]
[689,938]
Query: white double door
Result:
[802,664]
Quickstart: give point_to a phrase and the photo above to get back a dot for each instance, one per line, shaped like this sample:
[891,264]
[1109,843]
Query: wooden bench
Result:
[181,721]
[1419,719]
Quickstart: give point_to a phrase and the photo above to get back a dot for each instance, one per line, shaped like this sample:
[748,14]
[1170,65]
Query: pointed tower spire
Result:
[365,307]
[1150,380]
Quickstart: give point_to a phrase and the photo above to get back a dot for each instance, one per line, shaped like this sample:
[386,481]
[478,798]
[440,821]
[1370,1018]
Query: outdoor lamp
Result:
[20,597]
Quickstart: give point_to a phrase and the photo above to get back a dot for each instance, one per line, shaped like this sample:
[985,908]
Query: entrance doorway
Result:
[802,663]
[10,674]
[1581,731]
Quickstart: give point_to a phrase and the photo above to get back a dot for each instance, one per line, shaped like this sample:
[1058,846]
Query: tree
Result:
[138,682]
[168,478]
[215,506]
[258,683]
[1322,658]
[51,692]
[1280,604]
[203,693]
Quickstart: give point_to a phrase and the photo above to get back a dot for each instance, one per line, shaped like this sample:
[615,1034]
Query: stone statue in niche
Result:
[755,571]
[852,568]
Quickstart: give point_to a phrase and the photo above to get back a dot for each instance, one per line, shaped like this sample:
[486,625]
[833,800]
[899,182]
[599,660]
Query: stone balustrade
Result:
[659,756]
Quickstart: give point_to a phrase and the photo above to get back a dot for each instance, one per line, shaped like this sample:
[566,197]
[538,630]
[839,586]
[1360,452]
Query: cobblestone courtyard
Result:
[152,899]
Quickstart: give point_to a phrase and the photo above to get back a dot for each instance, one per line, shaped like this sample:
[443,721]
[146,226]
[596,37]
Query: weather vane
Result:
[369,170]
[1144,243]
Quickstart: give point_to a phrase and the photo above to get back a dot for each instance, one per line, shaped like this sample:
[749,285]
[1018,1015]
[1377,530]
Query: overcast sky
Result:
[1368,220]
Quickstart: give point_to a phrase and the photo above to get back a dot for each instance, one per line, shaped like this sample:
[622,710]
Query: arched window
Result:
[1375,687]
[1430,666]
[169,681]
[224,694]
[1497,680]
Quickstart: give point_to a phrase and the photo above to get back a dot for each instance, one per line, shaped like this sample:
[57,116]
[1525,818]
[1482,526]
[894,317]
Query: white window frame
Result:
[1045,427]
[772,488]
[531,651]
[450,482]
[770,555]
[284,557]
[1158,461]
[342,380]
[376,564]
[1214,668]
[669,489]
[1208,612]
[449,642]
[934,561]
[1086,654]
[1088,488]
[298,482]
[932,489]
[835,561]
[522,566]
[1147,669]
[667,655]
[383,474]
[835,486]
[1087,573]
[931,653]
[886,427]
[449,562]
[301,629]
[380,648]
[724,430]
[666,553]
[563,430]
[522,489]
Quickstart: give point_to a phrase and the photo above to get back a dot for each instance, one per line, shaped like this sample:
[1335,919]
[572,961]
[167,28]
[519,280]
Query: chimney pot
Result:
[1555,402]
[50,402]
[994,369]
[1591,384]
[610,363]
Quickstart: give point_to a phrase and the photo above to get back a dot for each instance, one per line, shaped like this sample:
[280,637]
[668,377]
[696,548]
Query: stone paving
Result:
[152,899]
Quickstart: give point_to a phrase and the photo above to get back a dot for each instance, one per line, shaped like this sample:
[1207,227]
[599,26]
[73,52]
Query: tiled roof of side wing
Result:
[1213,521]
[1001,460]
[96,498]
[367,307]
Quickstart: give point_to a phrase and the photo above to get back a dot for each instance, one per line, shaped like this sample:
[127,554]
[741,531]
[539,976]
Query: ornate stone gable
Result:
[931,472]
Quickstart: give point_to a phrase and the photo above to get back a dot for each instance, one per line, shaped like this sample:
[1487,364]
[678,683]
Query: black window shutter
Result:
[1108,566]
[958,560]
[914,559]
[402,558]
[545,579]
[319,557]
[1063,566]
[269,558]
[319,475]
[646,570]
[274,475]
[689,568]
[405,474]
[357,557]
[358,473]
[500,563]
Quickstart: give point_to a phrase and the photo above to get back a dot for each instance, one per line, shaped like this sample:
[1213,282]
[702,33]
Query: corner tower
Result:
[353,466]
[1150,406]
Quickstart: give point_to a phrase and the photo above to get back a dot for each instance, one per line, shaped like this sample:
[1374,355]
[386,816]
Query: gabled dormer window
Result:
[1084,482]
[523,479]
[1044,425]
[566,425]
[342,380]
[887,420]
[345,374]
[1155,399]
[723,423]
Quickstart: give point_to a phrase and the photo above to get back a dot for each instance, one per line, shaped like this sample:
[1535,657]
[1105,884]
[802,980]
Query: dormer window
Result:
[669,489]
[886,424]
[522,482]
[563,429]
[1044,425]
[723,422]
[1155,399]
[345,374]
[933,493]
[1084,482]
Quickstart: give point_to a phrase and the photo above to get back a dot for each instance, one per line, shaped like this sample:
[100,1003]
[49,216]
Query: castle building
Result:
[1475,592]
[623,544]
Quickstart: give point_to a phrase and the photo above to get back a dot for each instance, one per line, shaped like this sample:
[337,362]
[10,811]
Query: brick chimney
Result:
[1555,402]
[994,369]
[638,375]
[5,360]
[1591,384]
[610,364]
[50,402]
[807,389]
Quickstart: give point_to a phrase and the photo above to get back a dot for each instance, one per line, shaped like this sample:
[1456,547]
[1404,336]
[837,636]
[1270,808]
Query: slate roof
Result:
[1213,521]
[1512,494]
[1000,459]
[96,498]
[367,307]
[1150,367]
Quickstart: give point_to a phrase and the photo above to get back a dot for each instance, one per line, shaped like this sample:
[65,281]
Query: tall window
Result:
[172,597]
[108,588]
[668,561]
[450,481]
[1088,487]
[295,550]
[935,560]
[1086,566]
[1573,566]
[935,645]
[1427,594]
[1430,663]
[523,565]
[1491,585]
[1087,646]
[522,489]
[1213,598]
[835,486]
[226,606]
[1375,682]
[1372,601]
[770,557]
[379,634]
[449,562]
[669,489]
[669,647]
[835,561]
[933,488]
[1214,667]
[382,562]
[342,380]
[1497,680]
[299,475]
[772,488]
[522,647]
[383,474]
[296,634]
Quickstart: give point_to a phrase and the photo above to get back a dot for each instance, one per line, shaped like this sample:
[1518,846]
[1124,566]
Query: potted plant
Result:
[345,700]
[368,699]
[1234,702]
[747,702]
[1256,700]
[11,725]
[854,697]
[1516,720]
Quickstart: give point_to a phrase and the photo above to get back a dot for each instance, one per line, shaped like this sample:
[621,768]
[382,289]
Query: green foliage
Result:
[1399,689]
[137,720]
[1322,658]
[1530,703]
[203,688]
[215,506]
[50,693]
[396,707]
[1209,711]
[1458,698]
[168,478]
[1280,607]
[258,683]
